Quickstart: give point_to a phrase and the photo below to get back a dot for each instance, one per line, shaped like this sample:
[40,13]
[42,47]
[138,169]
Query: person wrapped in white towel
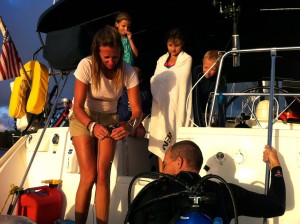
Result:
[170,86]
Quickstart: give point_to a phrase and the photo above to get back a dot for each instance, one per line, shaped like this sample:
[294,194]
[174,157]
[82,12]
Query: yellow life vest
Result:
[39,76]
[18,98]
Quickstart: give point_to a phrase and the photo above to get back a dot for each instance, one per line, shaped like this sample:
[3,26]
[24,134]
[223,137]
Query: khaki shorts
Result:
[78,129]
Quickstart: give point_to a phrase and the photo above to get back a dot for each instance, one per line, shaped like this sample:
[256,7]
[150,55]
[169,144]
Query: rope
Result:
[13,190]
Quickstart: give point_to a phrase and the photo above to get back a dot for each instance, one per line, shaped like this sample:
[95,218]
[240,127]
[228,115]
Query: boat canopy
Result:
[209,24]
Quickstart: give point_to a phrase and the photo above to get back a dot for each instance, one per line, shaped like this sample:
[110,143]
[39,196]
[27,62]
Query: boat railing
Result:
[271,94]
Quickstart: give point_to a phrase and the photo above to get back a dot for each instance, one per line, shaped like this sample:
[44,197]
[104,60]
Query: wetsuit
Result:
[218,201]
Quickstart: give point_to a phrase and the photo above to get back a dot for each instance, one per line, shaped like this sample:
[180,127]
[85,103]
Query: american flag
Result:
[10,62]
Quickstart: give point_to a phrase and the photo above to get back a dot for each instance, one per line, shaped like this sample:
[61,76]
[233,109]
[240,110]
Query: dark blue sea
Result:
[2,152]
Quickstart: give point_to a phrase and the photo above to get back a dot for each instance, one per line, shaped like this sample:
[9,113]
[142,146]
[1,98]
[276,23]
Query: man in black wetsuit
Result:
[201,92]
[183,161]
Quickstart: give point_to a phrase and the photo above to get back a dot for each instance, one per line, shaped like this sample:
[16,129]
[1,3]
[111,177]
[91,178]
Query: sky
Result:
[21,18]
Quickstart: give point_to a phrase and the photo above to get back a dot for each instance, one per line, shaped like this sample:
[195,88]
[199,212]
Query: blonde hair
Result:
[123,16]
[106,36]
[212,55]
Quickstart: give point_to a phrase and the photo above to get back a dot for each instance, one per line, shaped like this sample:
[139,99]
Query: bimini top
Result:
[207,24]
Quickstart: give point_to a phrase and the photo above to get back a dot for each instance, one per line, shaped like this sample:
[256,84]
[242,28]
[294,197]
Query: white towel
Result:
[169,88]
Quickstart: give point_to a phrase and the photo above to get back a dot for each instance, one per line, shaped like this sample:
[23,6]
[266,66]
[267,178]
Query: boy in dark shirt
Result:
[204,87]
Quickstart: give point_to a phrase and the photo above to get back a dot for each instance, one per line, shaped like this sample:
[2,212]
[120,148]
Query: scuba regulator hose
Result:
[193,190]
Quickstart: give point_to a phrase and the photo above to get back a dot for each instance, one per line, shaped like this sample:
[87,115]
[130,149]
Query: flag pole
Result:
[3,29]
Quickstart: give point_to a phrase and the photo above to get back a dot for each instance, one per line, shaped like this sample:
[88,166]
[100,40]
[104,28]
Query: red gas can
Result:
[41,204]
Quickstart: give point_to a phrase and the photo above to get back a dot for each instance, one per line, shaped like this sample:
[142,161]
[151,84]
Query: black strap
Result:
[175,218]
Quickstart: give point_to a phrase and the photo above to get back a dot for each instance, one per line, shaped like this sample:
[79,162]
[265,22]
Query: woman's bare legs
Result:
[87,159]
[106,152]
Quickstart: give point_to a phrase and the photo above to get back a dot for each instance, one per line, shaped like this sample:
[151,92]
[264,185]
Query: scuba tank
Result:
[193,214]
[197,217]
[194,217]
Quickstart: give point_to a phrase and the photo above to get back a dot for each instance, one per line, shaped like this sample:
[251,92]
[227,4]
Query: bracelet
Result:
[133,124]
[128,124]
[92,128]
[87,127]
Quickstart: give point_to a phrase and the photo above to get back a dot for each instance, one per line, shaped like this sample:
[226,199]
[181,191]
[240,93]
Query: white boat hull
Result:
[242,164]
